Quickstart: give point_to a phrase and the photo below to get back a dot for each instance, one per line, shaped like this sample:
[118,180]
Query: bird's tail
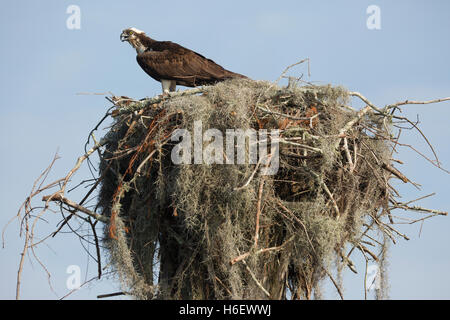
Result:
[233,75]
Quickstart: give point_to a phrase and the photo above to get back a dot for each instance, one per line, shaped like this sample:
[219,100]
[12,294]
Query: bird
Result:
[172,64]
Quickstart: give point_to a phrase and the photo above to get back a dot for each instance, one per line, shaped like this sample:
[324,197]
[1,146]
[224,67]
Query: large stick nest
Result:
[226,231]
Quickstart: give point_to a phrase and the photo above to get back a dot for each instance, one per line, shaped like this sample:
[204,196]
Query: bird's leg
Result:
[173,86]
[167,86]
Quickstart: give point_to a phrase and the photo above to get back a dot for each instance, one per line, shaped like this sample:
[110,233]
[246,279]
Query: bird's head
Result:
[134,37]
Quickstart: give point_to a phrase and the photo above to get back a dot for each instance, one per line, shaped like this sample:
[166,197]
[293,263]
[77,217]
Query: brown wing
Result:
[170,61]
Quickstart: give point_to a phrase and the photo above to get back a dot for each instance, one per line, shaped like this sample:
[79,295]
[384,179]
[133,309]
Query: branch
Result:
[395,105]
[303,146]
[247,254]
[395,172]
[79,162]
[256,280]
[59,198]
[420,209]
[366,101]
[138,105]
[258,210]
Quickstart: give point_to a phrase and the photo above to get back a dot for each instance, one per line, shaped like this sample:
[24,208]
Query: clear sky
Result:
[44,65]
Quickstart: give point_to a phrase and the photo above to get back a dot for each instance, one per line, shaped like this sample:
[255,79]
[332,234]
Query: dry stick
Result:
[327,191]
[387,108]
[22,258]
[368,228]
[224,286]
[76,289]
[421,220]
[381,224]
[366,101]
[97,248]
[25,205]
[138,105]
[141,165]
[78,164]
[59,196]
[114,294]
[291,66]
[247,254]
[423,156]
[410,221]
[373,239]
[349,157]
[366,250]
[421,209]
[351,123]
[418,199]
[250,178]
[281,76]
[348,262]
[66,220]
[312,246]
[365,276]
[256,280]
[395,172]
[286,115]
[258,205]
[303,146]
[394,105]
[258,210]
[414,125]
[74,205]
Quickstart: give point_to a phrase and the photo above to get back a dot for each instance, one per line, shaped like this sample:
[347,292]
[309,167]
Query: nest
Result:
[228,230]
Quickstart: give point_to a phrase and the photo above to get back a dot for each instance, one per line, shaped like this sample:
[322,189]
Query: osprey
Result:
[172,64]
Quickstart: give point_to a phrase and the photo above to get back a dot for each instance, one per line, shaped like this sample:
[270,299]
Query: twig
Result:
[138,105]
[79,162]
[394,105]
[414,125]
[114,294]
[366,101]
[97,248]
[247,254]
[286,115]
[70,203]
[249,178]
[418,199]
[256,280]
[366,250]
[303,146]
[395,172]
[223,285]
[258,210]
[27,207]
[327,191]
[421,209]
[349,157]
[350,124]
[291,66]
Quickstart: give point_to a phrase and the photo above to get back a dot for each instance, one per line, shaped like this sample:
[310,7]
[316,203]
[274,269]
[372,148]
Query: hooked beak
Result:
[124,37]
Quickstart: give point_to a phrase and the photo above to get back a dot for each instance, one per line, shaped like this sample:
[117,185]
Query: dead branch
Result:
[76,206]
[395,172]
[258,211]
[142,104]
[406,102]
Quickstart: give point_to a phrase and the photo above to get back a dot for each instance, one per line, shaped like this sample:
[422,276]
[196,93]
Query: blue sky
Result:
[44,65]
